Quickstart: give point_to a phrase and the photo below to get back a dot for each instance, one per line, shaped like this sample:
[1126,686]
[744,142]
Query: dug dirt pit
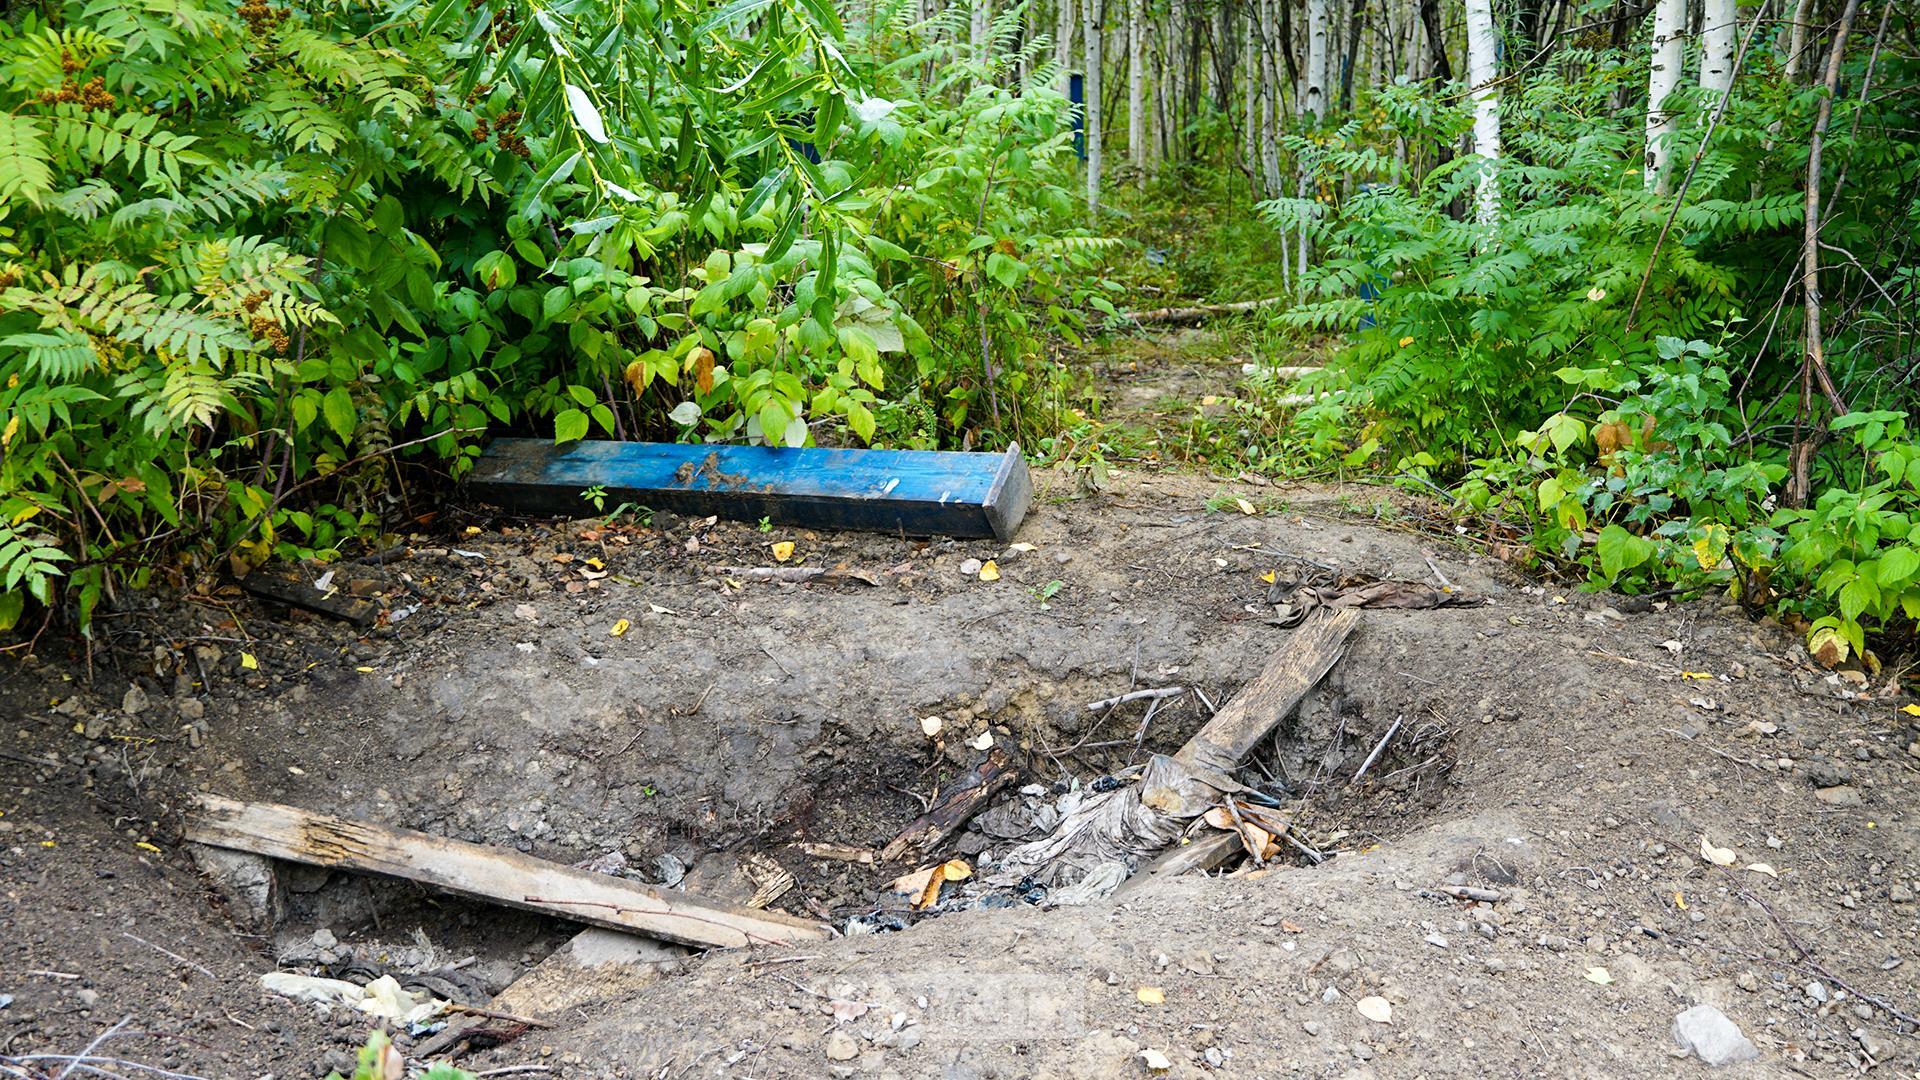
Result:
[604,695]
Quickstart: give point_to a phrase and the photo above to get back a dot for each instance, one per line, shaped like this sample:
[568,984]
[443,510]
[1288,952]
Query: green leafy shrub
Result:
[253,258]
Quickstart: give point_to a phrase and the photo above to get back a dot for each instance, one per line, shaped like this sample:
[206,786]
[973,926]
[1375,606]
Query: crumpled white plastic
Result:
[383,997]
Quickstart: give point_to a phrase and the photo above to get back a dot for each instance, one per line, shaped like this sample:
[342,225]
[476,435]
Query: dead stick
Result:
[492,1015]
[1240,828]
[1377,748]
[1137,695]
[169,953]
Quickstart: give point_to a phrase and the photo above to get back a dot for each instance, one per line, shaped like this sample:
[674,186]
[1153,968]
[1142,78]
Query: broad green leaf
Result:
[569,426]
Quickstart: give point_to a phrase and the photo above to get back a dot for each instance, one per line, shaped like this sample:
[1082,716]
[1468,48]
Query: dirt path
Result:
[1567,750]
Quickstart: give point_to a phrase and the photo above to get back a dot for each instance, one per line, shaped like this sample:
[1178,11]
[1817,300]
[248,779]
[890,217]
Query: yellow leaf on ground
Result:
[247,661]
[983,742]
[1246,507]
[1599,975]
[620,626]
[990,571]
[1151,995]
[1268,577]
[1679,899]
[1910,710]
[1700,675]
[1763,868]
[783,551]
[931,725]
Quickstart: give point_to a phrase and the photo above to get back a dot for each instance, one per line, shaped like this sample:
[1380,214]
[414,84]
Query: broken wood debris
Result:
[292,588]
[1128,824]
[919,492]
[953,806]
[505,877]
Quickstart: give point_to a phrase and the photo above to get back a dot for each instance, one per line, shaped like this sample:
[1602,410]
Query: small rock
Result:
[87,998]
[842,1046]
[1438,941]
[1311,1027]
[1900,894]
[191,708]
[1875,1046]
[1817,992]
[1747,981]
[135,701]
[971,567]
[1215,1057]
[323,938]
[1710,1036]
[1844,795]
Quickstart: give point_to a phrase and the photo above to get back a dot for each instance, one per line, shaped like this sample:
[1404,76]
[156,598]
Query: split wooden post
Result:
[504,877]
[1309,653]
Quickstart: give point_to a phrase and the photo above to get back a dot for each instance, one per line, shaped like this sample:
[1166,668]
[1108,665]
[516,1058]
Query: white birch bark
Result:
[1137,87]
[1314,99]
[1090,36]
[1669,24]
[1063,43]
[1718,34]
[982,12]
[1482,70]
[1250,129]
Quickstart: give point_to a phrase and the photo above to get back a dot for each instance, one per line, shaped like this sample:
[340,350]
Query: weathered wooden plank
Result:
[911,491]
[1309,653]
[294,590]
[505,877]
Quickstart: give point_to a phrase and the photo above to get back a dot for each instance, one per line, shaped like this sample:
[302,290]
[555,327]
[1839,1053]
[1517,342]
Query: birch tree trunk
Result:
[982,12]
[1090,35]
[1063,43]
[1717,36]
[1137,87]
[1269,100]
[1250,129]
[1482,71]
[1669,24]
[1314,99]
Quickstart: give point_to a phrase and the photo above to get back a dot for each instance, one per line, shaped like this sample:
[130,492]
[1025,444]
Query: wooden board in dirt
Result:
[917,492]
[504,877]
[292,588]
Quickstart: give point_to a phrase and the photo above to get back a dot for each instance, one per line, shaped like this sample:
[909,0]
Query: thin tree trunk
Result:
[1063,43]
[1669,45]
[1315,95]
[1090,37]
[1813,365]
[1355,25]
[1436,39]
[1482,71]
[1136,88]
[1719,27]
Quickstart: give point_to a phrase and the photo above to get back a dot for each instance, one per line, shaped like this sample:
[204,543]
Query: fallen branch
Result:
[1199,313]
[1377,748]
[1137,695]
[170,954]
[953,806]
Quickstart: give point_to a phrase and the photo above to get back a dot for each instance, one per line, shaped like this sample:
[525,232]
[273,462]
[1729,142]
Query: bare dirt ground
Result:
[1567,750]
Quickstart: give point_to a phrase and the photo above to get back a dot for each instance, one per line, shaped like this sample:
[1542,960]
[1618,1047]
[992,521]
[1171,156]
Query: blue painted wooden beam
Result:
[917,492]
